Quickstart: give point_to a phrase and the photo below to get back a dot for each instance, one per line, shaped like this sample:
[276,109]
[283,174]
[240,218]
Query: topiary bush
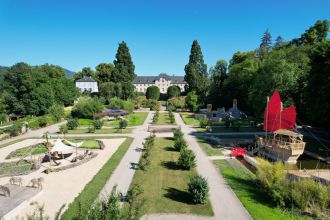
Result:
[198,189]
[97,124]
[177,134]
[187,159]
[72,124]
[153,92]
[179,144]
[122,123]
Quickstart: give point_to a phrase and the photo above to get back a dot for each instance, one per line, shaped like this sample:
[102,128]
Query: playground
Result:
[51,182]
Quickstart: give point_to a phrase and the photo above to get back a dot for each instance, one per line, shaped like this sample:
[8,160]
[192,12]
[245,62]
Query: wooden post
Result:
[281,115]
[267,117]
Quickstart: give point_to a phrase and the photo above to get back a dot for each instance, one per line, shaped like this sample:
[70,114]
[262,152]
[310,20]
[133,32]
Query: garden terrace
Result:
[168,192]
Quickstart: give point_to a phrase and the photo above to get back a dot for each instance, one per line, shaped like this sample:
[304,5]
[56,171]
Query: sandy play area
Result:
[60,187]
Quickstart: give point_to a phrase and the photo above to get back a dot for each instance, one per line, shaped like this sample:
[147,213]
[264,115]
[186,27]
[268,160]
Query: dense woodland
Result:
[299,69]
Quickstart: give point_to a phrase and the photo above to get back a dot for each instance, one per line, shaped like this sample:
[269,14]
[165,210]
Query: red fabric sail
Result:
[272,113]
[288,117]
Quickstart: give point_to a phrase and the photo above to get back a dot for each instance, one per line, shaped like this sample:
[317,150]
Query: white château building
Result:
[87,84]
[163,81]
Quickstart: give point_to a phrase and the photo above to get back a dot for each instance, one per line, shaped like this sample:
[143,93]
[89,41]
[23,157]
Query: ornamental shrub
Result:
[42,122]
[72,124]
[187,159]
[153,93]
[177,134]
[198,189]
[179,144]
[203,122]
[86,108]
[122,123]
[97,124]
[14,130]
[173,91]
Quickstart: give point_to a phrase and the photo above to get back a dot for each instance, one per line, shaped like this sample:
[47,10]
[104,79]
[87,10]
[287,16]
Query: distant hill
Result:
[4,69]
[69,73]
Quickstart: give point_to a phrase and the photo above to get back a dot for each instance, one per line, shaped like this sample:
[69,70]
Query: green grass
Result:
[134,119]
[88,195]
[257,203]
[101,131]
[85,122]
[88,144]
[188,118]
[13,168]
[165,185]
[40,149]
[209,149]
[164,119]
[225,129]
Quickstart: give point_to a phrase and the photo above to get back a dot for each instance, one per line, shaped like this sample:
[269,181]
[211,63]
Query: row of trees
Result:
[298,69]
[115,80]
[32,90]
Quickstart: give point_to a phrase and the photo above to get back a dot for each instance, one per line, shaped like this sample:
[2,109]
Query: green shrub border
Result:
[83,202]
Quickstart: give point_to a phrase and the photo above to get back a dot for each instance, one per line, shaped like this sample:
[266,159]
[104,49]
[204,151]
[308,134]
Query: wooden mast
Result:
[267,115]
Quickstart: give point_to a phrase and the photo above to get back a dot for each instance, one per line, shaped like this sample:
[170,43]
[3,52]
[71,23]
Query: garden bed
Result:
[101,131]
[168,192]
[37,149]
[164,119]
[13,169]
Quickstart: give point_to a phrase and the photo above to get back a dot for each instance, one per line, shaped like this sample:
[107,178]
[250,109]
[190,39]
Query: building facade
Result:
[87,84]
[162,81]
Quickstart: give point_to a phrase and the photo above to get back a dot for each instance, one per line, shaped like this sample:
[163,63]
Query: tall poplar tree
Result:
[196,72]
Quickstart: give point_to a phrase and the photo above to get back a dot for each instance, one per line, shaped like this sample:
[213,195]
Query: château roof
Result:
[152,79]
[86,79]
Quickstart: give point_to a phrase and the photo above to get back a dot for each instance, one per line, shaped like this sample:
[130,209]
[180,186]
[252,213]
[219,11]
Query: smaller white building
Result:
[87,84]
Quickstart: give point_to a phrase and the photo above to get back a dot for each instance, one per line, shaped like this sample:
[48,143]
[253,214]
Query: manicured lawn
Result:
[188,118]
[101,131]
[209,149]
[83,202]
[165,185]
[13,168]
[40,149]
[85,122]
[163,119]
[89,144]
[134,119]
[257,203]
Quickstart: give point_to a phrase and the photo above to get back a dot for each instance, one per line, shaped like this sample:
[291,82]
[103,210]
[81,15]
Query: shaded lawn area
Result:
[229,129]
[165,185]
[257,203]
[134,119]
[40,149]
[208,148]
[188,118]
[101,131]
[83,202]
[164,119]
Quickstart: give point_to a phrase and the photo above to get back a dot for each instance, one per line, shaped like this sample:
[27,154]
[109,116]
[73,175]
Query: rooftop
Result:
[86,79]
[152,79]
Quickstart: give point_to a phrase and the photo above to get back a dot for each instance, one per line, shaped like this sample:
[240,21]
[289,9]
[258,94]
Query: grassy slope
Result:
[208,148]
[91,191]
[167,193]
[255,201]
[134,119]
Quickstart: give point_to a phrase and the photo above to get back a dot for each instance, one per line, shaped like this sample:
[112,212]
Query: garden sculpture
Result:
[5,191]
[16,181]
[37,182]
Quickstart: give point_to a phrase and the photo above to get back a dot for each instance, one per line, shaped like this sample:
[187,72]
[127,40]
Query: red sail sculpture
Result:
[275,118]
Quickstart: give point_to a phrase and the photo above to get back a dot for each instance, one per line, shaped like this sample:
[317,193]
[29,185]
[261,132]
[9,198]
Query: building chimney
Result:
[235,103]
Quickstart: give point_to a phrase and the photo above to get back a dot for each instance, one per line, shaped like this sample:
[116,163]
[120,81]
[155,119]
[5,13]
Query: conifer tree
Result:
[265,45]
[279,41]
[196,72]
[124,67]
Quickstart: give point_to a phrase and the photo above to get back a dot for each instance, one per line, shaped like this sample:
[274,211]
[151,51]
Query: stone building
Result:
[87,83]
[162,81]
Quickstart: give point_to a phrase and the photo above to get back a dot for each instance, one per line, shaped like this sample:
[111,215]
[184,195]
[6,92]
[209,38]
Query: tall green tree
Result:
[86,71]
[124,67]
[103,72]
[218,75]
[265,45]
[196,74]
[279,41]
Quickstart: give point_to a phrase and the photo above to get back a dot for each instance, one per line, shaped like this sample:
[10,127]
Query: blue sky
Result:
[75,34]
